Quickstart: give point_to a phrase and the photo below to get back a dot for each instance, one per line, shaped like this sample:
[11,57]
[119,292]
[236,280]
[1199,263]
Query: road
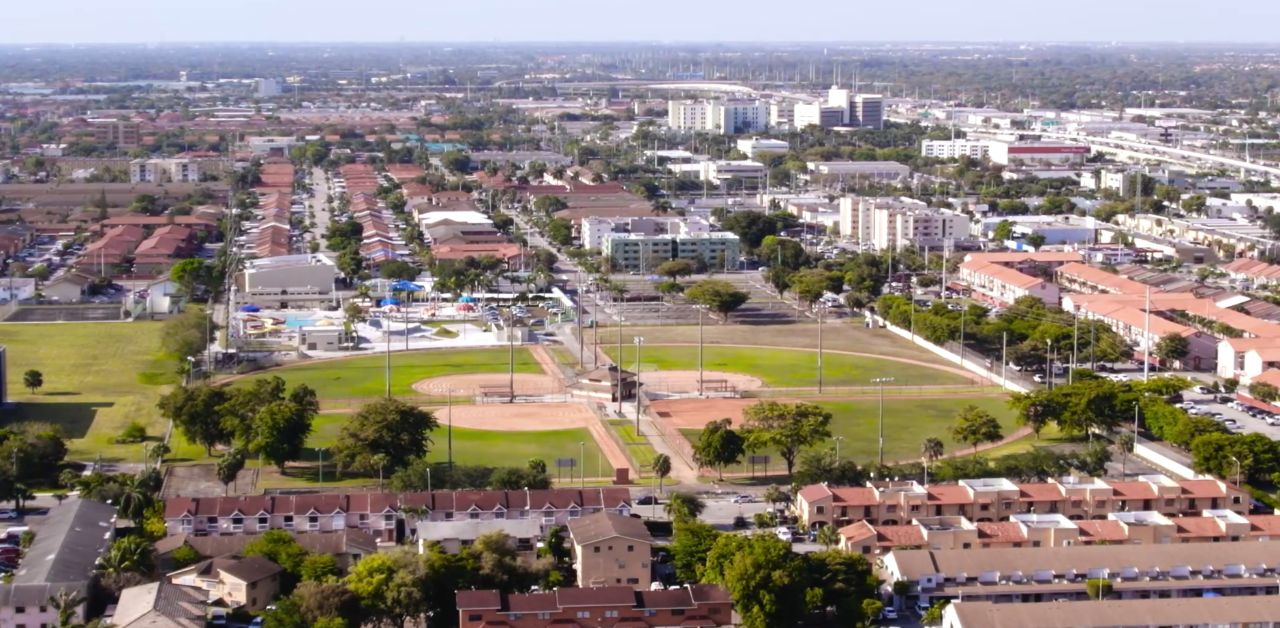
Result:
[319,206]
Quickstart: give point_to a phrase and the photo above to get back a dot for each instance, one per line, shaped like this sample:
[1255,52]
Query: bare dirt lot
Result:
[519,417]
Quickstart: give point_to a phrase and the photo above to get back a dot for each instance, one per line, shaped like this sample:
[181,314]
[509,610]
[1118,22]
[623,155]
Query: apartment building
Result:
[858,215]
[643,253]
[757,145]
[381,514]
[998,499]
[62,558]
[250,583]
[452,536]
[952,149]
[1207,612]
[164,171]
[1040,574]
[1056,530]
[600,607]
[894,228]
[1003,285]
[121,133]
[593,230]
[611,549]
[727,117]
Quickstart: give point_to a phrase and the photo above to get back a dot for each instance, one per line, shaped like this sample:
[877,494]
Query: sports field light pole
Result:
[639,340]
[511,355]
[701,392]
[582,464]
[819,350]
[449,406]
[618,365]
[837,439]
[881,381]
[386,332]
[320,453]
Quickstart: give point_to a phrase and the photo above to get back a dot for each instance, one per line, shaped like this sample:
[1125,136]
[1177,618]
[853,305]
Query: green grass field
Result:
[365,377]
[491,448]
[907,422]
[784,368]
[635,445]
[97,378]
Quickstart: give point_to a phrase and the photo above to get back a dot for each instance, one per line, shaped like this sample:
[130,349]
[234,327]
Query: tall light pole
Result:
[618,364]
[639,340]
[1048,362]
[320,453]
[386,332]
[837,439]
[1237,461]
[881,381]
[449,402]
[582,462]
[511,355]
[701,391]
[820,350]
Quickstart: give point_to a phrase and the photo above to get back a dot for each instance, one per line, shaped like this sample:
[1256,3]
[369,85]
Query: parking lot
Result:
[1238,418]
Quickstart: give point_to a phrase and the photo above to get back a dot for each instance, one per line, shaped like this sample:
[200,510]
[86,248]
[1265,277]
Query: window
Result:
[500,514]
[611,613]
[213,521]
[364,517]
[596,549]
[544,615]
[984,507]
[288,521]
[264,522]
[631,548]
[237,521]
[475,617]
[677,612]
[822,510]
[448,516]
[584,614]
[633,581]
[649,612]
[915,507]
[20,610]
[388,519]
[473,515]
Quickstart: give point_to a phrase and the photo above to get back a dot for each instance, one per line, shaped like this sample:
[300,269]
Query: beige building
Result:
[1055,530]
[1044,574]
[998,499]
[611,549]
[251,583]
[1209,612]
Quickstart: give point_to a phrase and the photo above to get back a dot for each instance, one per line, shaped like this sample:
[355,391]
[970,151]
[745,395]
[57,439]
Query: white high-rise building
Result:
[727,117]
[892,223]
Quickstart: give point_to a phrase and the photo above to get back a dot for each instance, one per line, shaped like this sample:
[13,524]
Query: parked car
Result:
[784,534]
[8,514]
[889,612]
[1204,390]
[1039,378]
[739,522]
[743,499]
[923,607]
[647,500]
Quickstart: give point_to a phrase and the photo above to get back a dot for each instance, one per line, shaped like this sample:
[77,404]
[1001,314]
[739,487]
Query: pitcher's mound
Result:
[527,384]
[687,381]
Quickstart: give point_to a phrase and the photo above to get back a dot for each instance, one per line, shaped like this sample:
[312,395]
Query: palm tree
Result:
[380,461]
[931,449]
[684,506]
[661,467]
[130,554]
[65,602]
[828,536]
[134,500]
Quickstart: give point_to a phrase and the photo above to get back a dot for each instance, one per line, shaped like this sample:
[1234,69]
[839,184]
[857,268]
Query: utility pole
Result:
[639,340]
[1004,359]
[511,355]
[1075,346]
[618,365]
[819,350]
[701,391]
[1146,336]
[386,332]
[449,392]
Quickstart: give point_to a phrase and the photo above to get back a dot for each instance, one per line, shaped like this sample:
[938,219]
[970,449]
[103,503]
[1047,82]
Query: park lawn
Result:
[364,377]
[98,377]
[907,422]
[784,368]
[484,447]
[1050,436]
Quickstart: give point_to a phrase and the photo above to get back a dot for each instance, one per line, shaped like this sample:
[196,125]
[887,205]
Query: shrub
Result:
[135,432]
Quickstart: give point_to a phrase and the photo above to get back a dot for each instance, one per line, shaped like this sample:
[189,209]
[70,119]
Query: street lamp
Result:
[639,340]
[1048,362]
[1237,461]
[881,381]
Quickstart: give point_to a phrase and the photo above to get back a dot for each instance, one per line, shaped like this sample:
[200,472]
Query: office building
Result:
[756,145]
[858,171]
[808,114]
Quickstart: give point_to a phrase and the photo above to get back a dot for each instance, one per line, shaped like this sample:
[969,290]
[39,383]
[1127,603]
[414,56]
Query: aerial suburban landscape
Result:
[483,329]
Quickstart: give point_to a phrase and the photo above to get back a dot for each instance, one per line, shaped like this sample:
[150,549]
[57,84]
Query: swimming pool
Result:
[294,321]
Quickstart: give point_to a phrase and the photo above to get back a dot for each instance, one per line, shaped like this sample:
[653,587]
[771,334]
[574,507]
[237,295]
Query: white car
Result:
[784,534]
[889,612]
[1039,378]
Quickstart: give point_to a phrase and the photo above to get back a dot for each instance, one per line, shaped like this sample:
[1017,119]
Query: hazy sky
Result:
[662,20]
